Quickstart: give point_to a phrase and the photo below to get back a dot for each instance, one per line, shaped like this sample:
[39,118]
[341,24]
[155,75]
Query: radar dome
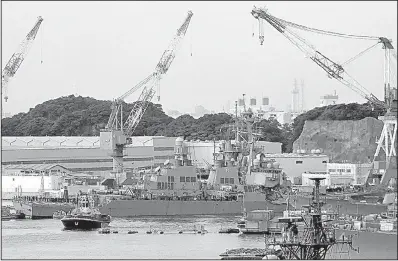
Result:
[179,141]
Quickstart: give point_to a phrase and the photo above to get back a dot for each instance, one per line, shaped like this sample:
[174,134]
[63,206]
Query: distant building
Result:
[329,99]
[294,164]
[174,113]
[348,173]
[31,179]
[83,154]
[200,111]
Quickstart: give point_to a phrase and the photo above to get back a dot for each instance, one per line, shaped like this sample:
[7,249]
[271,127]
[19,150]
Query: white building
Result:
[294,164]
[329,99]
[348,173]
[306,178]
[30,179]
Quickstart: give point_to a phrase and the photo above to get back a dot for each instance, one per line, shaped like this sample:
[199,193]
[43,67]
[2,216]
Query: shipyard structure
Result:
[33,163]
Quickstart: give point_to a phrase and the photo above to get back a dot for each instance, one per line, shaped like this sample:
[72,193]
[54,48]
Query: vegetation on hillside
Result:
[84,116]
[338,112]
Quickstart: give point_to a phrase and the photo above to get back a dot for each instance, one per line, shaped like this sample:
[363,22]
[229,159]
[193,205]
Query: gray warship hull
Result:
[133,208]
[40,210]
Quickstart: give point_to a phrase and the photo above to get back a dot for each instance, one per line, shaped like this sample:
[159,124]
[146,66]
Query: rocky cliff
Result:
[345,140]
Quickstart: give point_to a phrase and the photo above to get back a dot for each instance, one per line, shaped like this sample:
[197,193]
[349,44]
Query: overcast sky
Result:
[102,49]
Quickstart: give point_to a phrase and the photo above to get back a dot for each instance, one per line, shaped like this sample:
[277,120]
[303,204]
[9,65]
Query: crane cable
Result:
[325,32]
[358,55]
[41,48]
[355,88]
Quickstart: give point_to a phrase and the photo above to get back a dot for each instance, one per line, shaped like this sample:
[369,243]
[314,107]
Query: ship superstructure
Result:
[240,180]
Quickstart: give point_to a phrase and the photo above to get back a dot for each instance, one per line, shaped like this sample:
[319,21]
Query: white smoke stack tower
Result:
[302,107]
[295,97]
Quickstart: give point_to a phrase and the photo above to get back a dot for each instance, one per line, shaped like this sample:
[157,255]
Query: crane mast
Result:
[17,58]
[384,165]
[117,131]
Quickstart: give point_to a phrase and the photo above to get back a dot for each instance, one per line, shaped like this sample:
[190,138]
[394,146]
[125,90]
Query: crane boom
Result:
[169,54]
[116,133]
[161,68]
[113,122]
[17,58]
[333,69]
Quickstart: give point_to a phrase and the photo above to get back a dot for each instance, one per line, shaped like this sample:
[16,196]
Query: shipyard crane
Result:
[333,69]
[17,58]
[117,133]
[384,169]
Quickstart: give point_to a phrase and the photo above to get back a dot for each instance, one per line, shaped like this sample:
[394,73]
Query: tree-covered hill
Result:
[85,116]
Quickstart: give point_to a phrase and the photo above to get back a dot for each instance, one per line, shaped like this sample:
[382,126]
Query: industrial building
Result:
[29,179]
[83,154]
[341,173]
[294,164]
[329,99]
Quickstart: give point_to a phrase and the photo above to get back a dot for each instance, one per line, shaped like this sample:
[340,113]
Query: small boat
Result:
[104,230]
[257,222]
[59,214]
[85,216]
[228,231]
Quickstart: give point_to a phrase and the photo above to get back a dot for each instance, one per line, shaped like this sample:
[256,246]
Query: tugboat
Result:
[85,216]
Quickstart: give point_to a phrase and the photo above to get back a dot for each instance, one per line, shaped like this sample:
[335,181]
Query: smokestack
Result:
[302,95]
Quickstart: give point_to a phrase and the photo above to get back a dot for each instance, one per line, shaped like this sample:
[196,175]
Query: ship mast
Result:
[316,239]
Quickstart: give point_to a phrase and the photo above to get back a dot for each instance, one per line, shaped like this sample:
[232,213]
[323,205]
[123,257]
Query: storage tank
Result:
[269,165]
[313,151]
[179,141]
[317,151]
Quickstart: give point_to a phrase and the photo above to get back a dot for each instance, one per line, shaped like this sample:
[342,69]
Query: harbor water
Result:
[46,239]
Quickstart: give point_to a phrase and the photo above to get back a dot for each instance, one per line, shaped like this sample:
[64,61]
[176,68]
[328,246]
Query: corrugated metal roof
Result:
[294,155]
[67,142]
[38,167]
